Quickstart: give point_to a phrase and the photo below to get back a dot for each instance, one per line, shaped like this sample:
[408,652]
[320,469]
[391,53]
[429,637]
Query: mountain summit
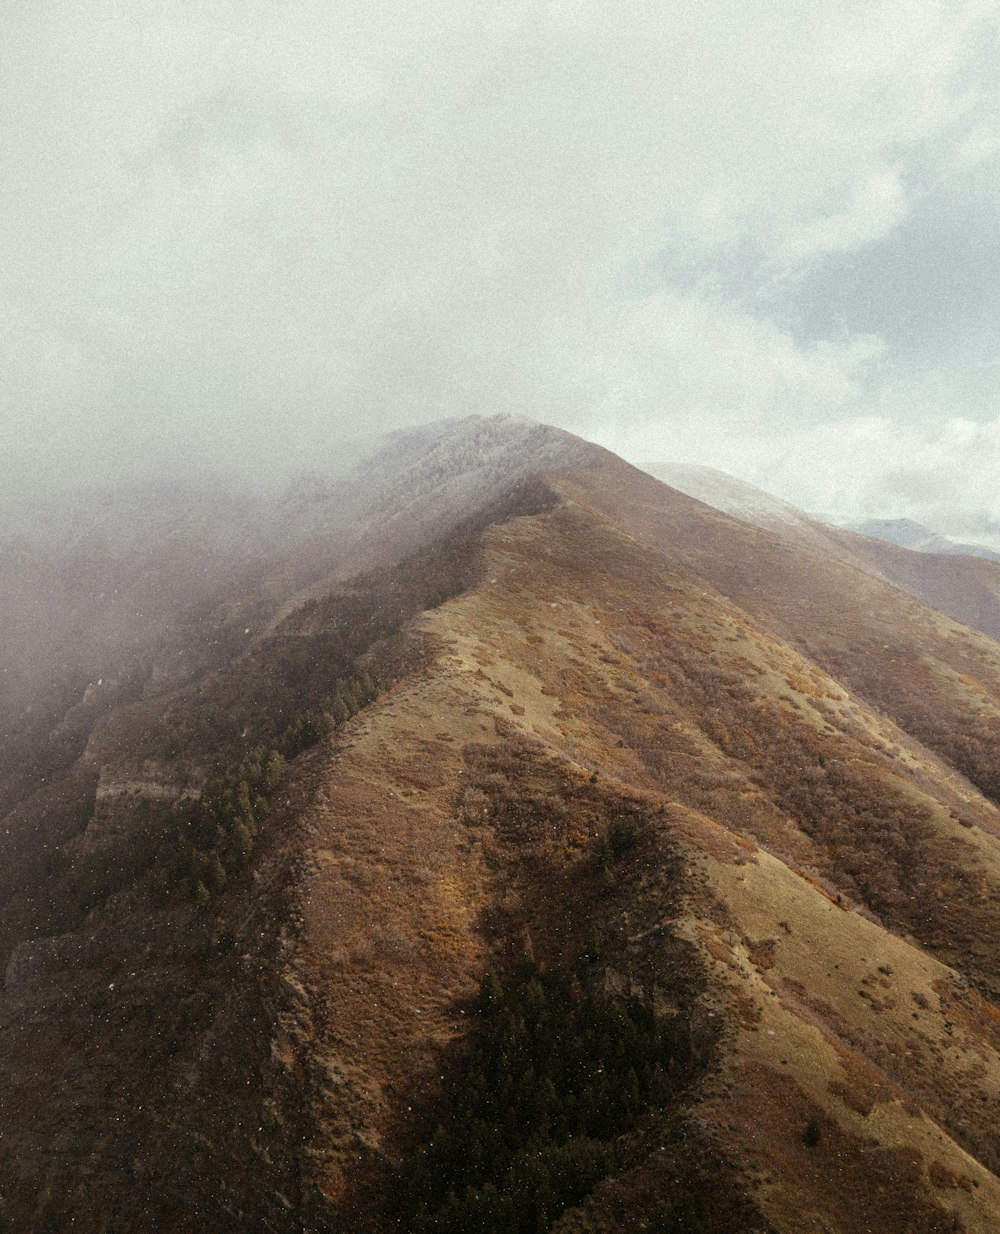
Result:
[527,846]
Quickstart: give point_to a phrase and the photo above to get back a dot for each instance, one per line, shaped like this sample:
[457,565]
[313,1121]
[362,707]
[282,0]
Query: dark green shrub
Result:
[687,1216]
[622,835]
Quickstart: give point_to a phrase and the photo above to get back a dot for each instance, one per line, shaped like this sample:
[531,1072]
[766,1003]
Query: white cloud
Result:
[877,205]
[979,145]
[689,354]
[250,225]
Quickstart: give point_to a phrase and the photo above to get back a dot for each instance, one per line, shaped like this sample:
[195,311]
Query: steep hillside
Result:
[961,580]
[966,587]
[588,677]
[123,598]
[745,502]
[753,505]
[114,596]
[603,864]
[936,679]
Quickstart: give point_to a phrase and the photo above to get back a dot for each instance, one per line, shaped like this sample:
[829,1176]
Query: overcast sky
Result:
[762,235]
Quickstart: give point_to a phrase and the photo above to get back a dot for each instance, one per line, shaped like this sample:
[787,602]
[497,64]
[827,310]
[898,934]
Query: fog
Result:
[756,236]
[111,594]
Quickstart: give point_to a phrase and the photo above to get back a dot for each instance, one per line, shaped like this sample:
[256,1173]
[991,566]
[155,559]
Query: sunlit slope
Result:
[795,848]
[966,585]
[939,680]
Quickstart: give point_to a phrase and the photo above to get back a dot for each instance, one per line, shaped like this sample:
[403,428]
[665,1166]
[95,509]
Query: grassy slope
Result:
[609,656]
[966,587]
[813,897]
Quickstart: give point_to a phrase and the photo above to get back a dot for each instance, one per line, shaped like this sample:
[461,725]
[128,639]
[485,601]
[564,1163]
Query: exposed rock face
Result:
[121,792]
[799,759]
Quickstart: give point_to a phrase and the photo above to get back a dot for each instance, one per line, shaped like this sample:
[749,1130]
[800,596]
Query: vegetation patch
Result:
[535,1114]
[216,835]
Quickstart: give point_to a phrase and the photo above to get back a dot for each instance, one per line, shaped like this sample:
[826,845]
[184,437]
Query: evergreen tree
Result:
[555,1077]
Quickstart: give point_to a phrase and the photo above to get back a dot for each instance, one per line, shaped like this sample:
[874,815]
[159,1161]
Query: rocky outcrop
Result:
[125,794]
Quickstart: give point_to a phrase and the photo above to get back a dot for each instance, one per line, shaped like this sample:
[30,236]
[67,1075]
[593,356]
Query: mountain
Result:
[962,583]
[909,534]
[753,505]
[552,851]
[732,496]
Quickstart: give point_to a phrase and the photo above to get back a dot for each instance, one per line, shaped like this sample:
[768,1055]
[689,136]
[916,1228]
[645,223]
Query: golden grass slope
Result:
[938,679]
[834,882]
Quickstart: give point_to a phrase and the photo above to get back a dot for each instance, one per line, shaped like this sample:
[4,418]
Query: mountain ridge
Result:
[965,586]
[740,788]
[909,534]
[752,504]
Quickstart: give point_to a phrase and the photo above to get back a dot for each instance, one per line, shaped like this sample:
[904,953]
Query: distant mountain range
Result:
[908,534]
[753,505]
[498,838]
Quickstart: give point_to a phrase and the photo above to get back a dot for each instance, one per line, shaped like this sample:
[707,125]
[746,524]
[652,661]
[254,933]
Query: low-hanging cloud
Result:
[235,234]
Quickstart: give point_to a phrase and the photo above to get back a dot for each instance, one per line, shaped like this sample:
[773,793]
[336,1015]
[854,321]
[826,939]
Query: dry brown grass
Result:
[814,893]
[594,671]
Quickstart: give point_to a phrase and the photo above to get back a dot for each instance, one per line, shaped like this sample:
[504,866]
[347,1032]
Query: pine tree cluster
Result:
[556,1076]
[216,835]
